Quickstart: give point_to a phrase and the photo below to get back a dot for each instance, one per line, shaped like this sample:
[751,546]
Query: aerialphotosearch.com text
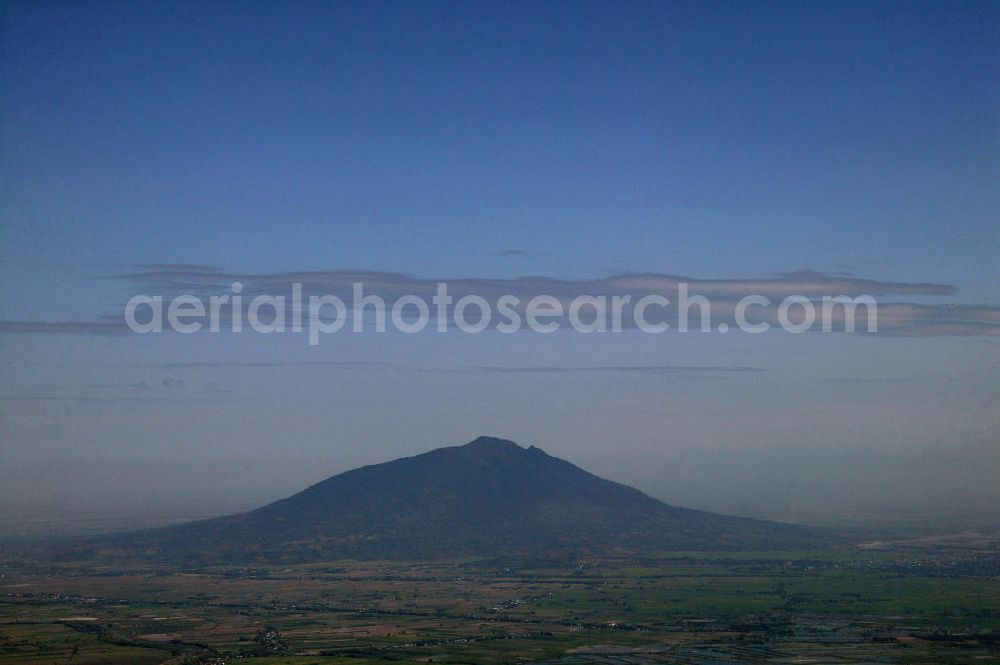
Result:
[324,314]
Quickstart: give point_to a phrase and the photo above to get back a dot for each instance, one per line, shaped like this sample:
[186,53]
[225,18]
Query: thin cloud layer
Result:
[622,369]
[169,278]
[895,318]
[100,327]
[515,253]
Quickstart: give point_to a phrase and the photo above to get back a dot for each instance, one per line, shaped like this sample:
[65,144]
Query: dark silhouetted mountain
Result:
[489,497]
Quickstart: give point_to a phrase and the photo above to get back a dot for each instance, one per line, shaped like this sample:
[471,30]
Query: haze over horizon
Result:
[477,144]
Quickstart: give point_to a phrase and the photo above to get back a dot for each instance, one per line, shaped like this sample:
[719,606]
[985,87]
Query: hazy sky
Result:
[474,141]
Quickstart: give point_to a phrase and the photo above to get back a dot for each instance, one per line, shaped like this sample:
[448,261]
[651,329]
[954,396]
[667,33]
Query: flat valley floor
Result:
[897,602]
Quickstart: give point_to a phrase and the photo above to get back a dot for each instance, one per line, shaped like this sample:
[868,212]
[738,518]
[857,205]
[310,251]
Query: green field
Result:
[890,605]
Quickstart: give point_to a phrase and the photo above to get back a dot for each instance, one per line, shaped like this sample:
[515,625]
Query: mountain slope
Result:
[488,497]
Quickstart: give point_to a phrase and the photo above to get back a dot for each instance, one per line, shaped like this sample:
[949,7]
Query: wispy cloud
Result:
[617,369]
[176,266]
[144,400]
[168,389]
[98,327]
[167,278]
[897,314]
[514,253]
[342,364]
[860,381]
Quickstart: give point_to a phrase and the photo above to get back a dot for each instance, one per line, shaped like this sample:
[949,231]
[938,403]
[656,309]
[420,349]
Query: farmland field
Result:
[890,604]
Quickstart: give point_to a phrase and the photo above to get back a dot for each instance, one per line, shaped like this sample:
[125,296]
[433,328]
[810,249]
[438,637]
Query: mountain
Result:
[488,497]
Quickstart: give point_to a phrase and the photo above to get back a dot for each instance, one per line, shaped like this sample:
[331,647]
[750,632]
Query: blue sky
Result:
[478,140]
[729,140]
